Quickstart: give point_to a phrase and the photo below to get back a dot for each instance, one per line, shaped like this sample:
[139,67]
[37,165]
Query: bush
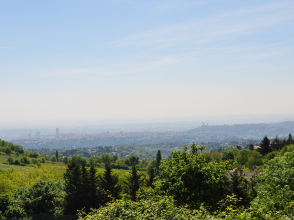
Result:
[279,171]
[191,180]
[35,161]
[153,208]
[8,151]
[65,160]
[10,160]
[14,212]
[42,197]
[53,159]
[24,160]
[4,202]
[119,166]
[16,162]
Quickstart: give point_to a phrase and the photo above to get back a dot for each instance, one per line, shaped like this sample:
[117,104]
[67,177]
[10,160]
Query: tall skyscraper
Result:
[57,131]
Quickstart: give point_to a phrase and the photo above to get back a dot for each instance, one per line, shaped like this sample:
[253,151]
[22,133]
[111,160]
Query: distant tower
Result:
[57,131]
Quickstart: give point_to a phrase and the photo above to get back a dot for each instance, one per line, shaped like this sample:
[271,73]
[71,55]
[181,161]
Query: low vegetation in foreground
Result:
[191,184]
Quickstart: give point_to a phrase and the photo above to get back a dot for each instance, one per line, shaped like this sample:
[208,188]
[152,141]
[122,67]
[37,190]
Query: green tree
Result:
[85,186]
[207,156]
[114,158]
[190,180]
[41,197]
[227,155]
[4,201]
[93,183]
[217,156]
[151,178]
[242,157]
[34,161]
[8,150]
[279,171]
[34,155]
[133,183]
[151,168]
[144,163]
[73,188]
[254,159]
[158,159]
[53,159]
[65,160]
[127,162]
[24,160]
[264,146]
[105,158]
[10,160]
[239,186]
[276,194]
[109,183]
[79,159]
[290,139]
[56,155]
[134,160]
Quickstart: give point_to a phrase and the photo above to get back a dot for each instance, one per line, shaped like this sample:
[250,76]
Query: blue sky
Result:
[121,59]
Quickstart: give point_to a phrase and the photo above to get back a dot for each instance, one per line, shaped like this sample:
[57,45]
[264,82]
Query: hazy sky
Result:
[124,59]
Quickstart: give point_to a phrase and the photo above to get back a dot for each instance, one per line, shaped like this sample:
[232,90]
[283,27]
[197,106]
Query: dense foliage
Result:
[192,181]
[190,184]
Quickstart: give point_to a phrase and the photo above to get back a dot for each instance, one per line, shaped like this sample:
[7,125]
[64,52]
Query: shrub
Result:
[24,160]
[119,166]
[191,180]
[8,151]
[35,161]
[42,197]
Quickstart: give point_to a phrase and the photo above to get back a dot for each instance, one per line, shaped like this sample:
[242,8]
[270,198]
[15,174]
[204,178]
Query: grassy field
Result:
[4,157]
[13,177]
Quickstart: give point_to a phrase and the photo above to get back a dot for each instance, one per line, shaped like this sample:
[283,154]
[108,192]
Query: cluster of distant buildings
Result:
[38,134]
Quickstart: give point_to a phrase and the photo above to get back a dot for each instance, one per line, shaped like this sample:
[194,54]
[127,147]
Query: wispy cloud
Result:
[119,68]
[212,41]
[219,27]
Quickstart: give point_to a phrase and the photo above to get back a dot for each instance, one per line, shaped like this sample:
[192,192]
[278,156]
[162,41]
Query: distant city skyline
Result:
[131,61]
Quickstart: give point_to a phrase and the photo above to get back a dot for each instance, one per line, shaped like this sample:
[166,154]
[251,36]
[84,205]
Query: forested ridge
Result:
[189,184]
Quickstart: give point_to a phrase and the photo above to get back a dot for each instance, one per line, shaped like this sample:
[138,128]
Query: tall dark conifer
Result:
[290,139]
[265,146]
[73,189]
[93,183]
[151,178]
[56,155]
[133,183]
[109,183]
[158,159]
[85,184]
[277,144]
[239,186]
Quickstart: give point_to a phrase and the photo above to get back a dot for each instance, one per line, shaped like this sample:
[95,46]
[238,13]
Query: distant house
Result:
[256,147]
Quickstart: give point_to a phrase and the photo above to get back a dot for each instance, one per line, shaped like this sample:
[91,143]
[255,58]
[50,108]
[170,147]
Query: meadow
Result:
[13,177]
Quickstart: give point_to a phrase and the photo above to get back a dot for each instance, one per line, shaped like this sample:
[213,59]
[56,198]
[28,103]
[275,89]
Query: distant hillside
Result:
[246,131]
[241,134]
